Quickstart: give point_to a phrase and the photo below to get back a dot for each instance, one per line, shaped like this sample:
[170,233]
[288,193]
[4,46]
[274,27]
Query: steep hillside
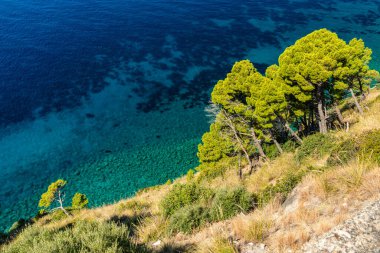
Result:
[290,200]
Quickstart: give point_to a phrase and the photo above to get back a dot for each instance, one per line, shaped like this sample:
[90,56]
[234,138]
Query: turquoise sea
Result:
[110,95]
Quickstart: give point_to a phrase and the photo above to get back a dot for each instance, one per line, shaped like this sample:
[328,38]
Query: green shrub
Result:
[188,218]
[290,146]
[79,237]
[58,215]
[370,146]
[343,152]
[366,146]
[210,171]
[182,195]
[190,175]
[315,145]
[280,189]
[228,203]
[271,151]
[134,205]
[224,204]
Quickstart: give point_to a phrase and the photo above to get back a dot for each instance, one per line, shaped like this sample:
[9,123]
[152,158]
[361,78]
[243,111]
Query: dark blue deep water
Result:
[109,95]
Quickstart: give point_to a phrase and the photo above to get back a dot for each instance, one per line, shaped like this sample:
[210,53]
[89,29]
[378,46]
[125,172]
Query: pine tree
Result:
[272,110]
[355,74]
[231,95]
[54,194]
[307,68]
[214,145]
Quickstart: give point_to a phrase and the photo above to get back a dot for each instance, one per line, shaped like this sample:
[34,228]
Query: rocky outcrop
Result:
[361,233]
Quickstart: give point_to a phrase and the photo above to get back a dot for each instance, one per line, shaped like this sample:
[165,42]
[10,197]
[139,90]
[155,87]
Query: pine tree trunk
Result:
[231,125]
[322,118]
[239,167]
[339,114]
[257,144]
[60,201]
[278,146]
[356,102]
[252,168]
[292,133]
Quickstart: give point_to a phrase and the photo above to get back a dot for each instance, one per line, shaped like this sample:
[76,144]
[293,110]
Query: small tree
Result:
[54,194]
[79,201]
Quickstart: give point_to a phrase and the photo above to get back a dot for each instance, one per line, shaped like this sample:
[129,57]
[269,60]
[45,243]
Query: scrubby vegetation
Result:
[189,206]
[79,237]
[289,155]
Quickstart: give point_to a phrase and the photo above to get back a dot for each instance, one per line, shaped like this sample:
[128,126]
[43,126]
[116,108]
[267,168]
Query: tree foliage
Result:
[299,95]
[214,145]
[55,194]
[52,193]
[79,201]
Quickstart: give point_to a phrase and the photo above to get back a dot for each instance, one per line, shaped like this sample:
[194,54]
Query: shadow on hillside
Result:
[130,221]
[175,248]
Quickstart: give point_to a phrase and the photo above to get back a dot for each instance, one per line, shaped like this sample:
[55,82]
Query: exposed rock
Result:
[253,248]
[361,233]
[156,244]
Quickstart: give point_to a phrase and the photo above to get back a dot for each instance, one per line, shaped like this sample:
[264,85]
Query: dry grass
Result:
[256,226]
[318,210]
[229,180]
[271,171]
[217,245]
[371,118]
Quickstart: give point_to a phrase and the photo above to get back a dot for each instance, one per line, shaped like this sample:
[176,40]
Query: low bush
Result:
[58,215]
[271,151]
[79,237]
[211,170]
[290,146]
[315,145]
[188,218]
[343,152]
[370,146]
[225,204]
[228,203]
[365,146]
[190,175]
[281,189]
[134,205]
[182,195]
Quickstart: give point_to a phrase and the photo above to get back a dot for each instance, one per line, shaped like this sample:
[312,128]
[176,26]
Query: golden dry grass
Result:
[270,172]
[256,226]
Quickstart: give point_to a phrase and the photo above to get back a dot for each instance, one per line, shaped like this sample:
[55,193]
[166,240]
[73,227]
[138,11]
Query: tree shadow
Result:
[175,248]
[131,221]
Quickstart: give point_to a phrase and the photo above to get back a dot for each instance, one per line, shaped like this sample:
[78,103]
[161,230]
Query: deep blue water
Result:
[110,94]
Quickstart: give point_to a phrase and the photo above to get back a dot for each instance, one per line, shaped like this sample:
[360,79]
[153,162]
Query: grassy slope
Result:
[326,196]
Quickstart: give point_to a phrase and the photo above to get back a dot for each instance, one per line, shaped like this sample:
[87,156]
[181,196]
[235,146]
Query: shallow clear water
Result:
[110,94]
